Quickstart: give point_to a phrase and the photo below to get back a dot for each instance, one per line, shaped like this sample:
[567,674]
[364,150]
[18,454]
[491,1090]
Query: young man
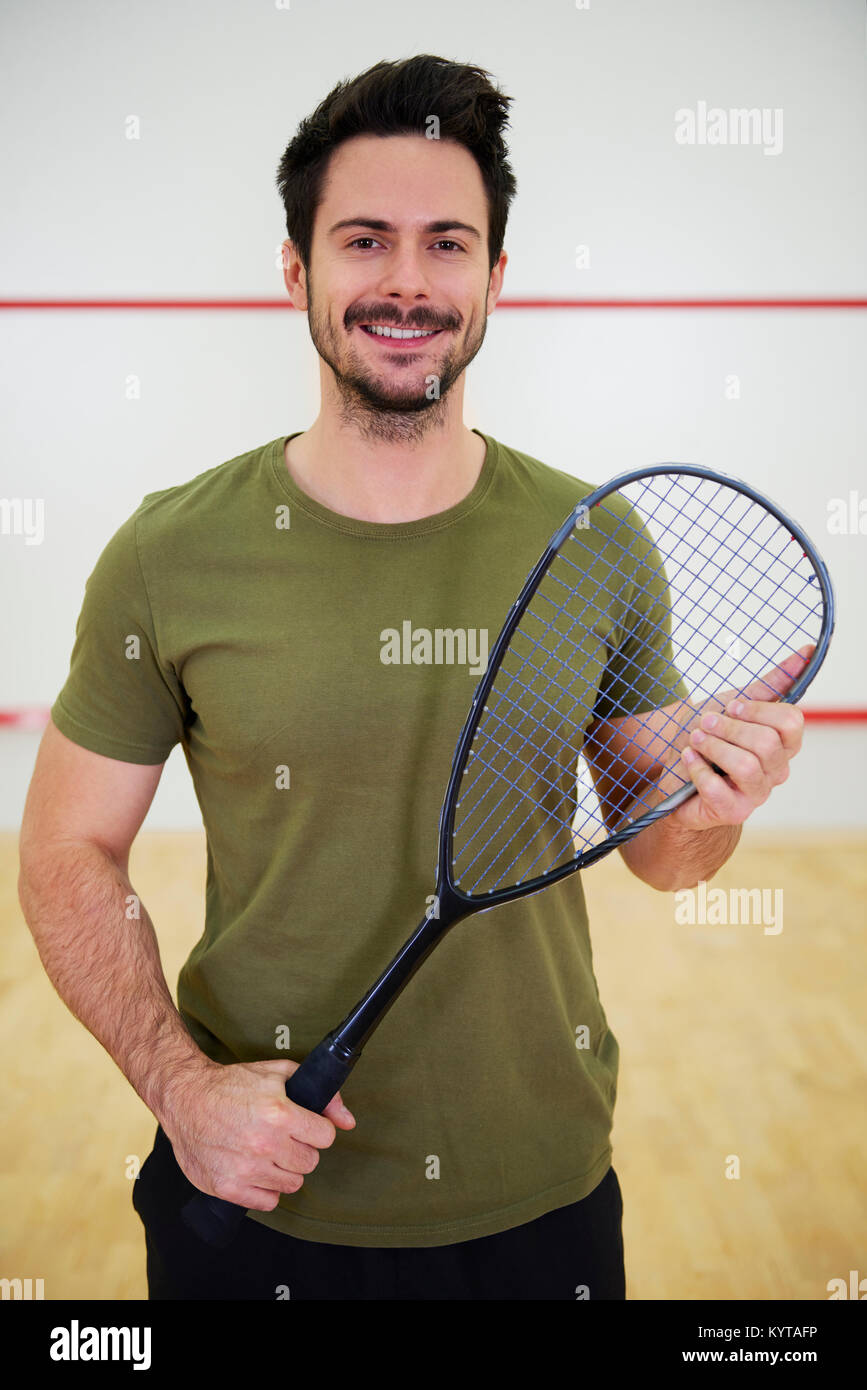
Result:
[249,615]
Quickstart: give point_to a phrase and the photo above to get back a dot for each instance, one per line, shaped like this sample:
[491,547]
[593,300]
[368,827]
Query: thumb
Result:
[335,1110]
[277,1066]
[779,679]
[338,1113]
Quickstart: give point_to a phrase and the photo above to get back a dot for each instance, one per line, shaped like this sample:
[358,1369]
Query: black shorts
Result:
[557,1256]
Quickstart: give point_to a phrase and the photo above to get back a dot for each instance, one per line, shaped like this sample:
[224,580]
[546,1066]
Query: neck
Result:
[385,481]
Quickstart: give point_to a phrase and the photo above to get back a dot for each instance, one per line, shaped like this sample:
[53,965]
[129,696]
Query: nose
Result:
[403,275]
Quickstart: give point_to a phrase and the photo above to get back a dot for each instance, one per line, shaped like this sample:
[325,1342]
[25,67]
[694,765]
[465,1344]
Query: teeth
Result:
[399,332]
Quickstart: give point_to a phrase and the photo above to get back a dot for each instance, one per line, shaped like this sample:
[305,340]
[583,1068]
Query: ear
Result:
[294,275]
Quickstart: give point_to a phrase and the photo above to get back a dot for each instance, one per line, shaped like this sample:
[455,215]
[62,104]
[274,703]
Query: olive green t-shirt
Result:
[283,646]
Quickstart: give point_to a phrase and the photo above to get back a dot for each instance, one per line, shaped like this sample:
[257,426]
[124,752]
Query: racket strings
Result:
[693,574]
[718,649]
[709,641]
[736,558]
[611,593]
[531,795]
[501,694]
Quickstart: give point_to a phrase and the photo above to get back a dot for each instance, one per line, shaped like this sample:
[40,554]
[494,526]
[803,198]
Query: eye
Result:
[445,241]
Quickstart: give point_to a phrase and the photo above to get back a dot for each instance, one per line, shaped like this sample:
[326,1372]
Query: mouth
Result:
[402,339]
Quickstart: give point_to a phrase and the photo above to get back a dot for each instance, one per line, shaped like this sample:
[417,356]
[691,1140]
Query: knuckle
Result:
[711,788]
[746,767]
[304,1159]
[768,743]
[266,1201]
[321,1135]
[230,1192]
[260,1144]
[328,1138]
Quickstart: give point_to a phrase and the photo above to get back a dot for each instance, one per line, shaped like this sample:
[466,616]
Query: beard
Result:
[404,399]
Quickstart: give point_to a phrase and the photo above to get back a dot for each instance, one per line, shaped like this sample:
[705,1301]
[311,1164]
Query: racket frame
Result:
[496,896]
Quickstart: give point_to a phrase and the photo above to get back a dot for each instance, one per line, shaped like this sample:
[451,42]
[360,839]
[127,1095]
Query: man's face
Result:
[401,274]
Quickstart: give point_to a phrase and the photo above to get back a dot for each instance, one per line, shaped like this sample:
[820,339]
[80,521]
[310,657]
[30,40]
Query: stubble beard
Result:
[373,405]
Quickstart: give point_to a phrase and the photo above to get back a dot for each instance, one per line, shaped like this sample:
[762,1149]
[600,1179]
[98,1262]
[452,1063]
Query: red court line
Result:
[256,304]
[36,716]
[835,716]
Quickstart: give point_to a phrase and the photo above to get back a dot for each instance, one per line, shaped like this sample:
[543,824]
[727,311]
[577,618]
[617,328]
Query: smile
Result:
[399,335]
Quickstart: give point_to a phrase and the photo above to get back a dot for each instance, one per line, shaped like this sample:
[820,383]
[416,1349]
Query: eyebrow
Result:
[377,225]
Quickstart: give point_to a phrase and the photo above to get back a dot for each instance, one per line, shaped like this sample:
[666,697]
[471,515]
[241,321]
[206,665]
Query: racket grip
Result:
[319,1077]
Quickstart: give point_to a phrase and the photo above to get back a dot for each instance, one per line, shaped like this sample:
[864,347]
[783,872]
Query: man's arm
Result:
[750,742]
[82,814]
[234,1132]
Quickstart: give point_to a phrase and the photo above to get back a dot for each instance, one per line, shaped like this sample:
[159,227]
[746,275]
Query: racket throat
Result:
[349,1038]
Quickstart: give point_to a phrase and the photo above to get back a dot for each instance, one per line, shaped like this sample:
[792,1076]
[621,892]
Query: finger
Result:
[787,720]
[307,1126]
[295,1161]
[763,740]
[256,1198]
[742,766]
[299,1158]
[280,1179]
[724,803]
[335,1111]
[339,1113]
[779,678]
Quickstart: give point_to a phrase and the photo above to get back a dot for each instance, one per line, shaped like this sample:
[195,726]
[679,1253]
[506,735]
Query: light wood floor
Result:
[733,1042]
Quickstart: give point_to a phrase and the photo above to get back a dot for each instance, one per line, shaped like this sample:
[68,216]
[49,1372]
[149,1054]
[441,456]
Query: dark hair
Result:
[395,99]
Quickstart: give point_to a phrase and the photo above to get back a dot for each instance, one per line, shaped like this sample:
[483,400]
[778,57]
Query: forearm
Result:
[669,857]
[104,962]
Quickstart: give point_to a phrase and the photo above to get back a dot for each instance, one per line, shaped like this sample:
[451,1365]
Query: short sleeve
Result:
[120,699]
[641,673]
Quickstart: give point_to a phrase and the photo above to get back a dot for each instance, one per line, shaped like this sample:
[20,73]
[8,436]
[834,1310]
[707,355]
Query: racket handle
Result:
[319,1077]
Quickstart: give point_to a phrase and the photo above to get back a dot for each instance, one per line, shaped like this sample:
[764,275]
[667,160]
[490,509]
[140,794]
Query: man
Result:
[249,615]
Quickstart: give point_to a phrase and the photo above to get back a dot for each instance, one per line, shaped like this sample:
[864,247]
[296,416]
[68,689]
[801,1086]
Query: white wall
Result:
[190,210]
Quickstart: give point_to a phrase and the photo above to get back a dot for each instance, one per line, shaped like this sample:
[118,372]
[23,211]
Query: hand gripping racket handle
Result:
[312,1086]
[324,1071]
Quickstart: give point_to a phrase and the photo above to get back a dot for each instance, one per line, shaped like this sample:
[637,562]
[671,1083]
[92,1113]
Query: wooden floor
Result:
[734,1042]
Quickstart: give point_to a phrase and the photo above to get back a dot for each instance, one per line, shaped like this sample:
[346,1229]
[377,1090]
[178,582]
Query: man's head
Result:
[409,157]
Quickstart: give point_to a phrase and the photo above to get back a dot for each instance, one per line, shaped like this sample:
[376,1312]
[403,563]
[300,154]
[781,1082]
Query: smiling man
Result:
[397,310]
[243,614]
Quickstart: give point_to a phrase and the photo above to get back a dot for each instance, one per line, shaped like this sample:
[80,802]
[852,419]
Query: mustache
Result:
[392,319]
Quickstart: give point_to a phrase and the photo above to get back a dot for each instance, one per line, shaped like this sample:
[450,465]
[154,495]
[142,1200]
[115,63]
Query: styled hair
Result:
[400,98]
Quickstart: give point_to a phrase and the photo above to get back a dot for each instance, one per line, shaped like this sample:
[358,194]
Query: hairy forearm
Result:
[670,858]
[99,948]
